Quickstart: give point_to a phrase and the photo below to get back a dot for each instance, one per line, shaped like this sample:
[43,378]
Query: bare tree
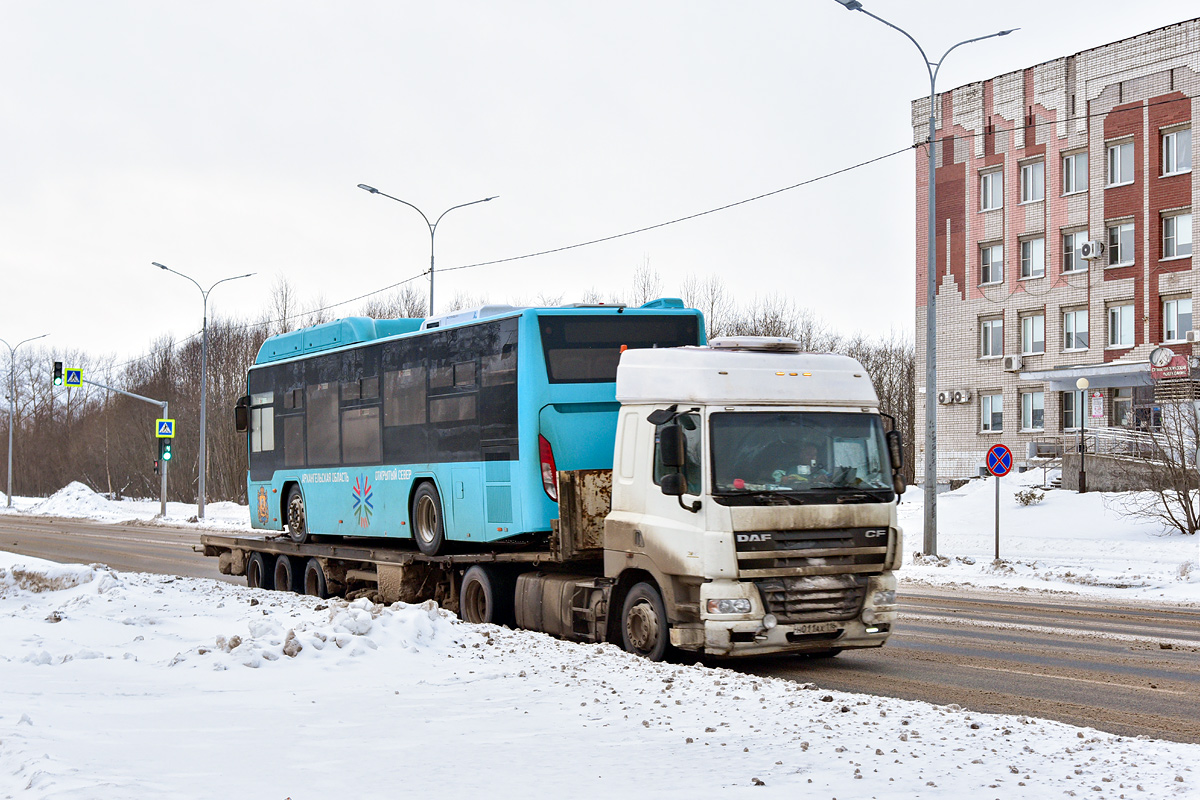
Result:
[406,301]
[1170,472]
[710,297]
[464,300]
[283,305]
[647,284]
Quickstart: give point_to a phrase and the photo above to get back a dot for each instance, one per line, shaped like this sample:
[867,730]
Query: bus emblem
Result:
[363,508]
[263,511]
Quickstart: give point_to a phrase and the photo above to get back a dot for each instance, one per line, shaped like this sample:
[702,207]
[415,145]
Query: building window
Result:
[992,419]
[1177,235]
[1033,411]
[1177,152]
[991,191]
[1122,407]
[991,264]
[1033,335]
[1075,329]
[1072,403]
[1033,182]
[991,338]
[1177,319]
[1075,173]
[1033,258]
[1120,164]
[1072,261]
[1120,245]
[1120,326]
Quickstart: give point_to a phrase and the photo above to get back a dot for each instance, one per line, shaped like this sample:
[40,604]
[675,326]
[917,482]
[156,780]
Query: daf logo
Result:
[756,537]
[876,533]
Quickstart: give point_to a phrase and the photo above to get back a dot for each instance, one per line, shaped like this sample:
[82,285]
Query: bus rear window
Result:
[586,349]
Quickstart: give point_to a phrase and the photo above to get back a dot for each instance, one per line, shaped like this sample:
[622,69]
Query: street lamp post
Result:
[203,379]
[432,226]
[930,542]
[1082,385]
[12,403]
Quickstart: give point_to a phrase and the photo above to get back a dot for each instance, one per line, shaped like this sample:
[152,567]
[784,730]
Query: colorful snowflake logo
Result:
[363,508]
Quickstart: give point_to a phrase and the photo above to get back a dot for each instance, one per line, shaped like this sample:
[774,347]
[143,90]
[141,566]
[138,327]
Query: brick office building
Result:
[1094,147]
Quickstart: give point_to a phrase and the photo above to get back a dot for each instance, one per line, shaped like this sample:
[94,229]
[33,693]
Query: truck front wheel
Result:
[644,628]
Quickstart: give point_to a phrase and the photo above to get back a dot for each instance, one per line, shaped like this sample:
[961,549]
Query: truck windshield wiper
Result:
[863,495]
[775,496]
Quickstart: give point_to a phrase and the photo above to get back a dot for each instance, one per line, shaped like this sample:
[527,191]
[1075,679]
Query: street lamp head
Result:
[370,189]
[1002,33]
[851,5]
[156,264]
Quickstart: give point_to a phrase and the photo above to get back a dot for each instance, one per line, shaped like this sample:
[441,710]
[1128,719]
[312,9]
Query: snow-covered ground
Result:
[147,686]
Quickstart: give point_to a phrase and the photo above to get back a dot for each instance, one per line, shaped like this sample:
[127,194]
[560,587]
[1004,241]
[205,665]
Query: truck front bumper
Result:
[752,638]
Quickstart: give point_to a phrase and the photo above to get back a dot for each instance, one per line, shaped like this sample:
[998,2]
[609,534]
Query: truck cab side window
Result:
[690,426]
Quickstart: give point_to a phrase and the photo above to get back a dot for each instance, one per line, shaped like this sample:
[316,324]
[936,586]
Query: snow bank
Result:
[1066,542]
[139,686]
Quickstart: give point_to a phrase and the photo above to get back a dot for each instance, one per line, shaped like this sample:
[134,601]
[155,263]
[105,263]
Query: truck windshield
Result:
[800,453]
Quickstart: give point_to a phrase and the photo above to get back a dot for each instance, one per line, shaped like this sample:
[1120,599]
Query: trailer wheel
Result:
[257,574]
[285,575]
[486,595]
[428,526]
[315,584]
[297,517]
[644,622]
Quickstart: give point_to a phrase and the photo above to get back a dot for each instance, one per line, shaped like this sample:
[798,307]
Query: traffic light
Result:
[58,373]
[164,450]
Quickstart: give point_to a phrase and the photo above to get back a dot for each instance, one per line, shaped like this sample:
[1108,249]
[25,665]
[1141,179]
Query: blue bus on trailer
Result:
[447,429]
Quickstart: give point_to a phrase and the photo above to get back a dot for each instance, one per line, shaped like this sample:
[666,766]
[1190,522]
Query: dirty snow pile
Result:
[1064,542]
[75,500]
[140,686]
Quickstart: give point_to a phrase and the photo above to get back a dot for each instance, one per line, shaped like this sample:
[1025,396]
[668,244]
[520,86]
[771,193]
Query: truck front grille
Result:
[795,553]
[816,598]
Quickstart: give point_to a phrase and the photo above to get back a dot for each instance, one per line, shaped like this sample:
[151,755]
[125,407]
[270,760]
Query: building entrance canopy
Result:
[1099,376]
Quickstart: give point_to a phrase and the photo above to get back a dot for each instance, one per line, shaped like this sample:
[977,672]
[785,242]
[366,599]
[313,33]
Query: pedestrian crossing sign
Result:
[73,377]
[164,428]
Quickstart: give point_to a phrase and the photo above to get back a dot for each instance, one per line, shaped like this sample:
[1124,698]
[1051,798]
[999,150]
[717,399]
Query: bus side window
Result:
[404,397]
[262,422]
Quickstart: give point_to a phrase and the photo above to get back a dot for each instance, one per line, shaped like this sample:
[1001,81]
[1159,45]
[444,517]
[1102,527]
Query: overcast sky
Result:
[228,137]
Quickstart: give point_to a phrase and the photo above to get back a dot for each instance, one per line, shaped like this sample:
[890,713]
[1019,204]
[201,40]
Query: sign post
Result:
[999,463]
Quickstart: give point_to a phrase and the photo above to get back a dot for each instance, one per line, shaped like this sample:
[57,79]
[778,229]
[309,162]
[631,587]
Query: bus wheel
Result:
[297,519]
[285,575]
[314,579]
[429,531]
[257,574]
[486,595]
[644,622]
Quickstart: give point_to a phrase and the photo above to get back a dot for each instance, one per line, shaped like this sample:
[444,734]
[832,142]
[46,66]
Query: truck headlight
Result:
[884,598]
[738,605]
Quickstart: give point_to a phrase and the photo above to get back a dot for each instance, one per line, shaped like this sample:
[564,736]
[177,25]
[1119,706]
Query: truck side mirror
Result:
[241,415]
[895,446]
[670,445]
[673,484]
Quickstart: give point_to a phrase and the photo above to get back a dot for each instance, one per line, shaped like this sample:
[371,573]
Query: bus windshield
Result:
[799,452]
[586,349]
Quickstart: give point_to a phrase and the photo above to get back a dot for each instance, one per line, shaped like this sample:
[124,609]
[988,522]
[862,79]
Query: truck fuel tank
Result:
[572,607]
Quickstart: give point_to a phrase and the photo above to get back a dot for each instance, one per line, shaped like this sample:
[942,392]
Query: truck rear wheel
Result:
[315,584]
[486,595]
[285,575]
[428,525]
[644,629]
[257,574]
[297,516]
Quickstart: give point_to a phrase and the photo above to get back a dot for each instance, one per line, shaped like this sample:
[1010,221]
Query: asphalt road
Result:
[1130,669]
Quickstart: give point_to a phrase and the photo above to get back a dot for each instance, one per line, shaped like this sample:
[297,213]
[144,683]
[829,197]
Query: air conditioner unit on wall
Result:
[1012,363]
[1192,336]
[1091,250]
[962,395]
[945,396]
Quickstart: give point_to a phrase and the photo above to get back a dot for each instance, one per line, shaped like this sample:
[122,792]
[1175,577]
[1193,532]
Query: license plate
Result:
[815,627]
